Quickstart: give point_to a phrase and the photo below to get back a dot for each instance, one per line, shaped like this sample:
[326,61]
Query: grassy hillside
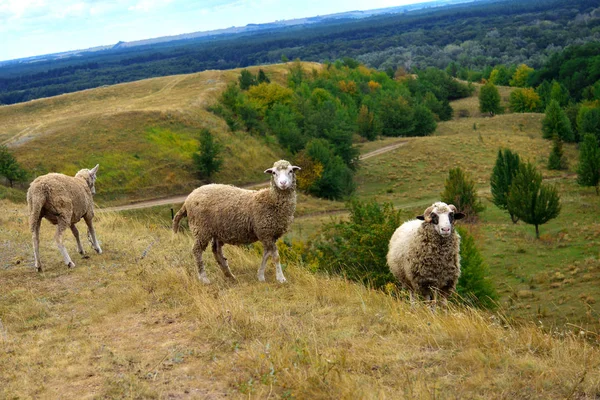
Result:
[135,323]
[143,134]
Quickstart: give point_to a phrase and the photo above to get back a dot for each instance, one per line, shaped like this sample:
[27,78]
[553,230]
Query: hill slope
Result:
[143,134]
[134,322]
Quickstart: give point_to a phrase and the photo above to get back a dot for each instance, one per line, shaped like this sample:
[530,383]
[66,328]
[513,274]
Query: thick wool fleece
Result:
[57,196]
[423,260]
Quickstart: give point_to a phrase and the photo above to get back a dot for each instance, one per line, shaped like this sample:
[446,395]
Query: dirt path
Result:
[181,198]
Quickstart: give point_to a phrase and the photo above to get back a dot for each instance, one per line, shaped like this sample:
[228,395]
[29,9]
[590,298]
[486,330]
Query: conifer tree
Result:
[10,168]
[208,160]
[588,171]
[505,169]
[556,123]
[530,200]
[459,190]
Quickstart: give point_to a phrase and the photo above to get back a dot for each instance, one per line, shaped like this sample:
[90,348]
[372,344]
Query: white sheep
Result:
[63,200]
[227,214]
[424,253]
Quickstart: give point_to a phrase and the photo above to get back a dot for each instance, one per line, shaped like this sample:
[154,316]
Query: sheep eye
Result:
[451,217]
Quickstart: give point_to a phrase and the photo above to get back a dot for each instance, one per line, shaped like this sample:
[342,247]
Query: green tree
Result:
[588,121]
[489,99]
[474,285]
[559,93]
[459,190]
[556,122]
[247,79]
[500,75]
[207,160]
[588,171]
[530,200]
[262,77]
[397,116]
[10,168]
[424,121]
[505,169]
[367,124]
[557,160]
[336,182]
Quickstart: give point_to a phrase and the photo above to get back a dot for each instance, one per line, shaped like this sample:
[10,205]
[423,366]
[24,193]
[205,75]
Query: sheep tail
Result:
[36,198]
[180,214]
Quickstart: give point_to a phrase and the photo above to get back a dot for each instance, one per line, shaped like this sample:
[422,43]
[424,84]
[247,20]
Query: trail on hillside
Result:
[181,198]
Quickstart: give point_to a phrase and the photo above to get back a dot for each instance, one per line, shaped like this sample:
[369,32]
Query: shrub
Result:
[10,168]
[459,190]
[489,99]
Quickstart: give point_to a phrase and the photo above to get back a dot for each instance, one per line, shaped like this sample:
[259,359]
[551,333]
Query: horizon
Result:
[33,28]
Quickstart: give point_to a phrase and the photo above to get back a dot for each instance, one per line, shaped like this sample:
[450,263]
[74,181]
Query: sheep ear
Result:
[95,169]
[459,215]
[269,171]
[295,168]
[421,217]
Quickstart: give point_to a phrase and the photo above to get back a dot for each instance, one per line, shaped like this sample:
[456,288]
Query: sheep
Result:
[63,200]
[424,253]
[227,214]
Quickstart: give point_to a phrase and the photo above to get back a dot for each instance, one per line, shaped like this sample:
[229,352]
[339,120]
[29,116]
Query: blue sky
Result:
[35,27]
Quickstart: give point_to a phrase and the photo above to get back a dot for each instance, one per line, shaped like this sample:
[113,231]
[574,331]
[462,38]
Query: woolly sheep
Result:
[424,253]
[227,214]
[63,200]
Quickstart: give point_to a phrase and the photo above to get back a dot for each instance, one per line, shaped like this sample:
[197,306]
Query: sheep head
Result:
[89,175]
[283,175]
[442,217]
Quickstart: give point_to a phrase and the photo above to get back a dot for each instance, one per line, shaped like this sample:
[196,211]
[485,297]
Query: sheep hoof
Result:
[232,277]
[71,264]
[39,268]
[281,279]
[204,279]
[84,256]
[98,250]
[261,278]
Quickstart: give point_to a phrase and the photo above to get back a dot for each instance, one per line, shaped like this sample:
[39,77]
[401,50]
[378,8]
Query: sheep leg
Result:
[266,253]
[58,237]
[35,234]
[271,250]
[76,234]
[217,249]
[278,271]
[92,234]
[197,251]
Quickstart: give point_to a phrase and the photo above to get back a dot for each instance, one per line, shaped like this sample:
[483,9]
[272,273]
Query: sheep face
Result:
[442,217]
[283,175]
[90,177]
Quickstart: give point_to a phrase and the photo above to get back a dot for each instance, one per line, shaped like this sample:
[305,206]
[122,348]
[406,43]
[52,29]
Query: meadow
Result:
[134,322]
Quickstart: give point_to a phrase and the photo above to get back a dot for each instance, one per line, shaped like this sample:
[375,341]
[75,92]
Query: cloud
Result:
[148,5]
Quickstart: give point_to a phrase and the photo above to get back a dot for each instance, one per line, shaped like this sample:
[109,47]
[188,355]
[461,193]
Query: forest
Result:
[467,36]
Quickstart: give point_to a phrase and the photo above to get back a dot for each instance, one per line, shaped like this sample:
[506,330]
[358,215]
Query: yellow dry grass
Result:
[135,323]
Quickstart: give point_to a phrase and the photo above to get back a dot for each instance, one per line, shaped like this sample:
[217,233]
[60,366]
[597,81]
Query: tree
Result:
[557,160]
[588,171]
[489,99]
[588,121]
[262,77]
[524,100]
[207,160]
[556,123]
[505,169]
[500,75]
[397,116]
[530,200]
[521,76]
[367,125]
[459,190]
[474,286]
[424,121]
[10,168]
[247,79]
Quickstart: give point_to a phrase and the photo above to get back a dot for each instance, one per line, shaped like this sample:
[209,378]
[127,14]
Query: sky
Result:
[37,27]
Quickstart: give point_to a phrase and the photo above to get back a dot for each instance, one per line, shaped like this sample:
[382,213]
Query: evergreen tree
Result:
[247,79]
[505,169]
[474,285]
[208,160]
[262,77]
[588,171]
[588,121]
[489,99]
[557,160]
[530,200]
[10,168]
[459,190]
[556,123]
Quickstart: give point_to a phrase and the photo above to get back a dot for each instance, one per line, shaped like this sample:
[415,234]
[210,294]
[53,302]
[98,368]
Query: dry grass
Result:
[122,325]
[142,133]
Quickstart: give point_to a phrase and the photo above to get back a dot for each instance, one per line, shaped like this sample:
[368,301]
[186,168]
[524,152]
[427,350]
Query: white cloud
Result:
[148,5]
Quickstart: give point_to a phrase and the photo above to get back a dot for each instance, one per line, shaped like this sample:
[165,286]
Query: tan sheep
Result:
[424,253]
[228,214]
[63,200]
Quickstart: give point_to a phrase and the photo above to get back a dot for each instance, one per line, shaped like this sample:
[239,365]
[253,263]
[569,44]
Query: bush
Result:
[459,190]
[474,286]
[489,99]
[357,248]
